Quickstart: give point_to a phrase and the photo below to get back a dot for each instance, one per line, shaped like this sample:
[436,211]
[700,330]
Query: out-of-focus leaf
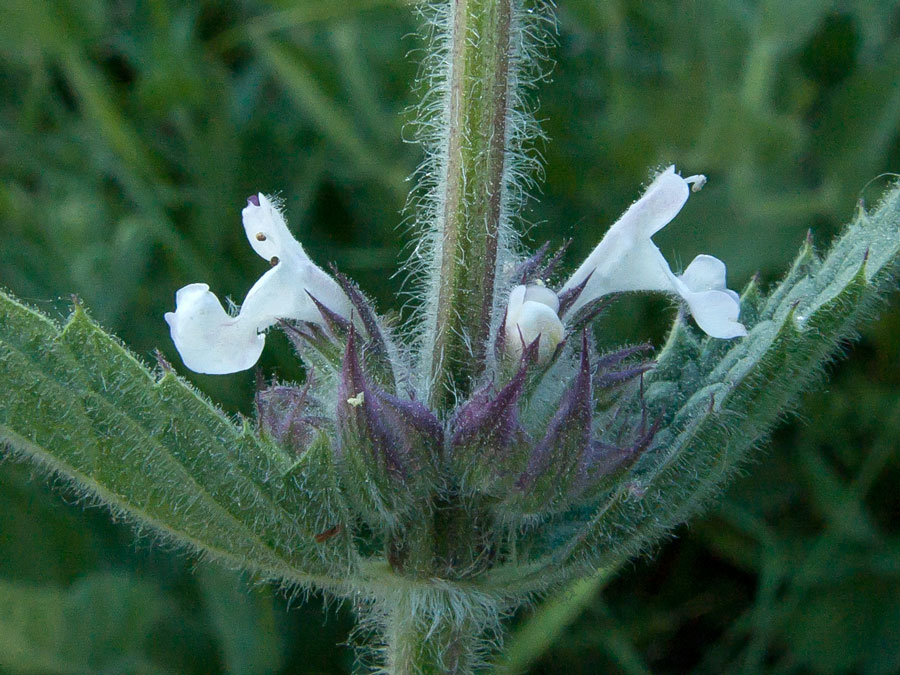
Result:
[99,624]
[330,118]
[536,635]
[244,621]
[848,627]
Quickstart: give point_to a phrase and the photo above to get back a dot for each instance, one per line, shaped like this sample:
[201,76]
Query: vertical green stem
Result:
[427,634]
[472,190]
[439,628]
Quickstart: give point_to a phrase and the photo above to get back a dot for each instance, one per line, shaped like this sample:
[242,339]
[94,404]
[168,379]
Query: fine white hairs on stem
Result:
[626,259]
[212,341]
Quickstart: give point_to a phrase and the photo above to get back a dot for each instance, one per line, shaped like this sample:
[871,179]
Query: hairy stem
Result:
[471,190]
[435,632]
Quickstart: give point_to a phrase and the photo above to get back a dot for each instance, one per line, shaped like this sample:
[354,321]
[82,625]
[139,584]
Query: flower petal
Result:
[514,306]
[626,259]
[543,295]
[658,206]
[284,291]
[716,312]
[625,263]
[208,339]
[705,273]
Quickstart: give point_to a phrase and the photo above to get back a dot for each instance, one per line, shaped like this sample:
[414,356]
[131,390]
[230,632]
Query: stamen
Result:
[696,182]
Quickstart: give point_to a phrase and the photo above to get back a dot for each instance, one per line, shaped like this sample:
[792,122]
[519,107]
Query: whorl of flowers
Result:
[550,421]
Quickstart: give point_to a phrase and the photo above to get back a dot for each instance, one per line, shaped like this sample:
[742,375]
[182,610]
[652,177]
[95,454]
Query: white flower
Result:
[627,260]
[532,313]
[213,342]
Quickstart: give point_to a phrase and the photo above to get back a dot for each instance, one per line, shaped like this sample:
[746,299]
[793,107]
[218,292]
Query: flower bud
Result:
[388,447]
[286,416]
[488,445]
[532,315]
[551,475]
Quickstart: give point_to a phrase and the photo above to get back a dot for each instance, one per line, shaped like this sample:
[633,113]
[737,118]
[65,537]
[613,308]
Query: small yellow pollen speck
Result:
[539,282]
[357,400]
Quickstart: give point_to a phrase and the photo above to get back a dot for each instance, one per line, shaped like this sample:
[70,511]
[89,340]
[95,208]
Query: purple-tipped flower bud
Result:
[324,343]
[388,446]
[488,444]
[552,469]
[285,416]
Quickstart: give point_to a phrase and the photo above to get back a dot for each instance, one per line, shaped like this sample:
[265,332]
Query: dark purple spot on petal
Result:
[253,200]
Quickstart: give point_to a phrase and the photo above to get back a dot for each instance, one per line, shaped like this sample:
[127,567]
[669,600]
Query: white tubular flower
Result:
[627,260]
[213,342]
[533,312]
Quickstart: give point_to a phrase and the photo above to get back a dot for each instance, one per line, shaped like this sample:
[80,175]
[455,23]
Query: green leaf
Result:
[80,404]
[100,623]
[847,627]
[40,538]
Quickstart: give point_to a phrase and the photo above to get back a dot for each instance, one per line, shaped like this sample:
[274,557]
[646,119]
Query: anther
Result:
[696,182]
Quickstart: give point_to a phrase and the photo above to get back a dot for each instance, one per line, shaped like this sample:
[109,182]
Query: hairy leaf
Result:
[79,403]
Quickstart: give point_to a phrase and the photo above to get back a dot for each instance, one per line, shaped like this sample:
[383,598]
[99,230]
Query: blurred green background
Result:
[131,133]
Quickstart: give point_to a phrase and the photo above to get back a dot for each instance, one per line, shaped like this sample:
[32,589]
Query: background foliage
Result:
[130,134]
